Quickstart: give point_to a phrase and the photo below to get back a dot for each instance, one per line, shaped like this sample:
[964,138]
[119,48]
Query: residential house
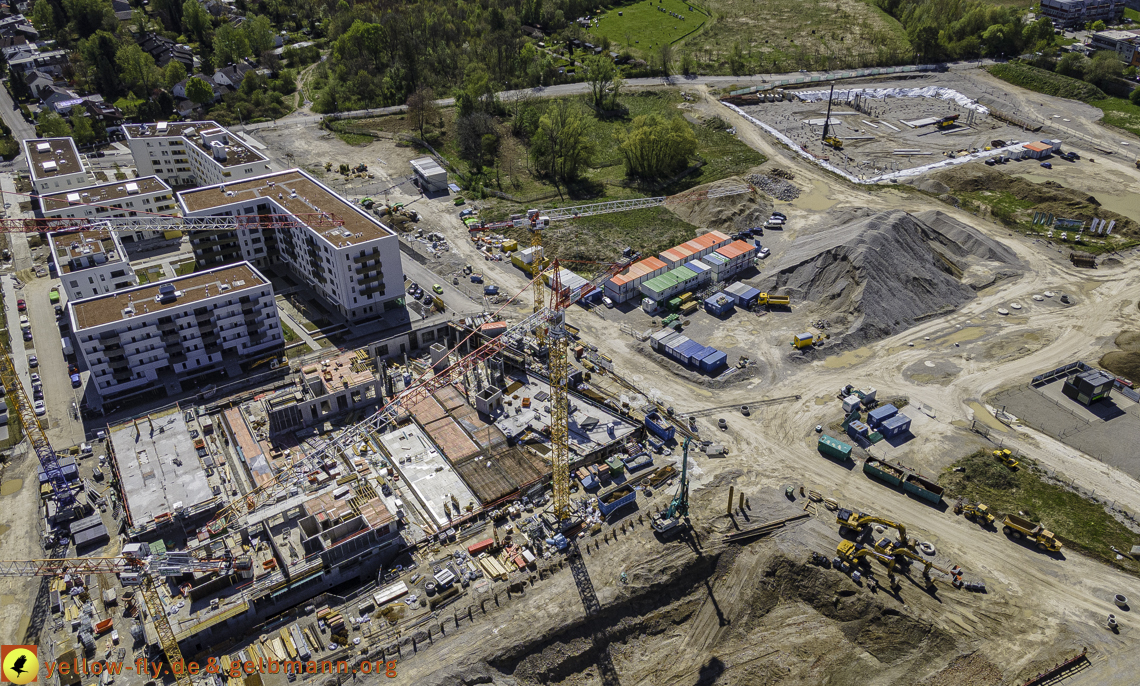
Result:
[163,50]
[52,61]
[123,9]
[179,89]
[39,81]
[232,75]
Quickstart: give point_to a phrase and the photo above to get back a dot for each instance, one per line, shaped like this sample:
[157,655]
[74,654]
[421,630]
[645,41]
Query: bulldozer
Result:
[856,521]
[1006,457]
[975,512]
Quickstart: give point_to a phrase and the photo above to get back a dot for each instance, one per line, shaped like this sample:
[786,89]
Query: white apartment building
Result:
[192,153]
[90,263]
[54,164]
[347,256]
[161,335]
[119,199]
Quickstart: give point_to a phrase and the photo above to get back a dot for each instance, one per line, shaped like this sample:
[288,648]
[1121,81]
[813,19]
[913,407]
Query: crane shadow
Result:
[590,602]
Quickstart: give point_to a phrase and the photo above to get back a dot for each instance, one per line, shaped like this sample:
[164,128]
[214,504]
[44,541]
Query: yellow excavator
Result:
[857,520]
[853,552]
[1006,457]
[975,512]
[889,548]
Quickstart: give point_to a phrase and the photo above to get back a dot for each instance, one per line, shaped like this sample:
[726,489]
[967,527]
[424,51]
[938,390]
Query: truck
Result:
[771,299]
[1017,528]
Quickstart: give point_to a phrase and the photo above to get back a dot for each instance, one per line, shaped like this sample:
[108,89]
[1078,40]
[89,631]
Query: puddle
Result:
[982,415]
[11,486]
[823,399]
[7,600]
[849,358]
[4,528]
[815,199]
[968,333]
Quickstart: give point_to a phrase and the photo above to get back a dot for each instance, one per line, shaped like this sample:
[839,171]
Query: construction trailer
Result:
[834,448]
[431,176]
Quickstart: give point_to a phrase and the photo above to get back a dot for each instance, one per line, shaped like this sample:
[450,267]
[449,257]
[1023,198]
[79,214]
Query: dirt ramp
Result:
[727,213]
[878,273]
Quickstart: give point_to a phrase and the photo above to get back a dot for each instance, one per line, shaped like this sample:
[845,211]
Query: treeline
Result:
[382,52]
[964,29]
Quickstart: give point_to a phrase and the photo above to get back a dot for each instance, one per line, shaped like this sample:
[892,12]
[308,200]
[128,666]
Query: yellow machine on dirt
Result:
[833,142]
[1044,539]
[1006,458]
[975,512]
[856,521]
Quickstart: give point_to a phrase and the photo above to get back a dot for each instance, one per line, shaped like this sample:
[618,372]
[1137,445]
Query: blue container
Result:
[857,428]
[659,427]
[695,358]
[589,483]
[713,362]
[617,498]
[880,414]
[895,426]
[684,353]
[719,304]
[638,462]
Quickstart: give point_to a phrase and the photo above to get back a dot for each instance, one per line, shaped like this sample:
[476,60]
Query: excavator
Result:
[857,520]
[975,512]
[853,552]
[887,547]
[1006,457]
[668,523]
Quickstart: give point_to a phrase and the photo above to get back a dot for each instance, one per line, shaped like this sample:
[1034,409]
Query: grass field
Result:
[1047,82]
[1120,113]
[288,333]
[1080,523]
[643,26]
[1132,14]
[184,268]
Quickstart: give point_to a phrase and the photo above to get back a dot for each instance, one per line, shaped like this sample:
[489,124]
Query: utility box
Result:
[851,403]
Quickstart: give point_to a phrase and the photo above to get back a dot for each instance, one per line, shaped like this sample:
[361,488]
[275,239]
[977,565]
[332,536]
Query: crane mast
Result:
[557,338]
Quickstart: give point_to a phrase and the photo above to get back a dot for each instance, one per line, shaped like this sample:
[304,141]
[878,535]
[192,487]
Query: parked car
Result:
[35,377]
[437,288]
[412,287]
[75,381]
[53,295]
[33,361]
[764,252]
[490,290]
[72,368]
[1047,165]
[607,302]
[781,215]
[21,305]
[39,408]
[27,334]
[38,393]
[59,311]
[24,323]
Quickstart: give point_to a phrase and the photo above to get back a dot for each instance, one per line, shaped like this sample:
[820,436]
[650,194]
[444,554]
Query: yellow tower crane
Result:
[559,340]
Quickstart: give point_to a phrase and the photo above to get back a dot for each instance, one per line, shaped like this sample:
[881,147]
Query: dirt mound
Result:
[878,273]
[728,213]
[1050,197]
[1126,361]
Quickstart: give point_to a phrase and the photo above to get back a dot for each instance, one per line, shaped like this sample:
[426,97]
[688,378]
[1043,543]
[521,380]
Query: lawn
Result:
[1120,113]
[1080,523]
[643,26]
[184,268]
[1131,14]
[1045,81]
[288,333]
[150,274]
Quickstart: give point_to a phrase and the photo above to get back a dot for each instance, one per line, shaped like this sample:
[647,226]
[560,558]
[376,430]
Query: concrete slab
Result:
[424,469]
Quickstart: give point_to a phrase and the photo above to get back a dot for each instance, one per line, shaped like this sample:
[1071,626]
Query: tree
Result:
[88,16]
[82,129]
[665,56]
[174,74]
[230,45]
[259,34]
[654,147]
[169,12]
[195,20]
[687,63]
[1072,64]
[1134,96]
[138,69]
[1104,68]
[562,146]
[43,17]
[17,86]
[51,125]
[604,80]
[478,139]
[924,39]
[198,91]
[422,109]
[736,60]
[99,53]
[1097,25]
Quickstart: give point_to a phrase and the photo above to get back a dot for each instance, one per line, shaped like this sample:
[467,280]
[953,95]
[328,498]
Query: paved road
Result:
[21,129]
[563,89]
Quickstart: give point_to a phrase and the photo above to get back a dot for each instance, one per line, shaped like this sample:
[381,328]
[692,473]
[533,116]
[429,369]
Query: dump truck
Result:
[1017,527]
[1006,457]
[773,299]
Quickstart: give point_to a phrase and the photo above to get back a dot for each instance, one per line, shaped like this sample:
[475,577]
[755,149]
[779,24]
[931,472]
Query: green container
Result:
[616,466]
[834,448]
[675,303]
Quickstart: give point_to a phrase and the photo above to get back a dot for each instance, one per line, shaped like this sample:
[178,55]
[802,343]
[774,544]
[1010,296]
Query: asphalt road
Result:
[21,129]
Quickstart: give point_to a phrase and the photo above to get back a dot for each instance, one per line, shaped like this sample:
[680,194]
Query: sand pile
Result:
[728,213]
[873,274]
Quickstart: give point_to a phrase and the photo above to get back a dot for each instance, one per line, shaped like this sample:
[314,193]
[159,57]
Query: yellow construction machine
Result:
[1006,457]
[857,520]
[975,512]
[853,552]
[833,142]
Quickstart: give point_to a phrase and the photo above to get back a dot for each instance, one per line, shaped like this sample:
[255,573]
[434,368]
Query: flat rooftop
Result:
[109,308]
[589,424]
[337,373]
[104,193]
[51,157]
[80,244]
[237,152]
[427,473]
[158,465]
[298,194]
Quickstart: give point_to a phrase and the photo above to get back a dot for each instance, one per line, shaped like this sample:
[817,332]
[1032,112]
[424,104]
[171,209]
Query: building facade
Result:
[167,333]
[121,199]
[55,164]
[90,263]
[349,258]
[1071,13]
[193,153]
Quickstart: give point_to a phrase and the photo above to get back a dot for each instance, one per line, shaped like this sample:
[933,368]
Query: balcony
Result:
[369,256]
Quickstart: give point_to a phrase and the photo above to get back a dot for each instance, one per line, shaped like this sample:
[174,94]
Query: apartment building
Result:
[120,199]
[90,263]
[1074,13]
[54,164]
[165,334]
[348,257]
[192,153]
[1124,43]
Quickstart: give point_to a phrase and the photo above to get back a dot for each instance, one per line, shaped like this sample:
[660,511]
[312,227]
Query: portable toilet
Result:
[850,404]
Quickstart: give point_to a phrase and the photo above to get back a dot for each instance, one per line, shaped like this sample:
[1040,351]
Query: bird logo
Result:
[20,664]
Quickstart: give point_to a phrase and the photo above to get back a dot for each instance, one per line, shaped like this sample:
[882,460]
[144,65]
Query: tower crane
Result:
[559,341]
[135,559]
[30,423]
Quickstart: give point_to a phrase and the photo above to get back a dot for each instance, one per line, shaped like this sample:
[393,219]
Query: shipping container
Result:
[923,487]
[713,362]
[885,471]
[895,426]
[616,466]
[743,295]
[672,344]
[877,415]
[686,353]
[689,308]
[613,500]
[857,429]
[833,447]
[659,427]
[675,303]
[482,546]
[851,403]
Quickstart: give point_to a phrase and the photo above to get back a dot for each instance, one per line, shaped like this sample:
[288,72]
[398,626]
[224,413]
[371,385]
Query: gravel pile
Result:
[777,188]
[874,274]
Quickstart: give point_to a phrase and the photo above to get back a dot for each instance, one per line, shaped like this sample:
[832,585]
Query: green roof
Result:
[669,279]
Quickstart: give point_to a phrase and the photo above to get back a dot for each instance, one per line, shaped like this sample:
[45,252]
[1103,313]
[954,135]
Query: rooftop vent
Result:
[43,147]
[132,189]
[128,311]
[162,126]
[50,165]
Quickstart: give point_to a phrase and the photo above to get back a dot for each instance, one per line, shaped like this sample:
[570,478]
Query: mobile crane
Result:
[668,523]
[136,561]
[856,521]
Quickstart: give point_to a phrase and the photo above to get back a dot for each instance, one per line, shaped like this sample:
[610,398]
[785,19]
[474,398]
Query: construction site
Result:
[838,436]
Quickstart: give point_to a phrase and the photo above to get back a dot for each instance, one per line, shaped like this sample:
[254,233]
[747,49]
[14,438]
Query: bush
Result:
[1046,82]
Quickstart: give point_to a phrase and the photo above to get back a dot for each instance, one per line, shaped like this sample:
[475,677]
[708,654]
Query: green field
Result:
[1081,524]
[643,26]
[1047,82]
[1120,113]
